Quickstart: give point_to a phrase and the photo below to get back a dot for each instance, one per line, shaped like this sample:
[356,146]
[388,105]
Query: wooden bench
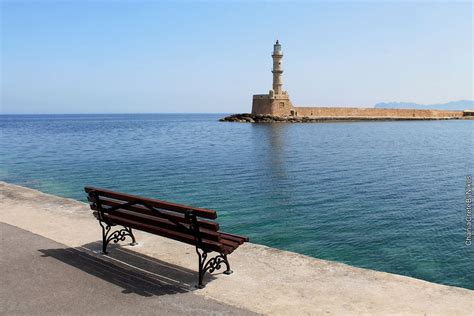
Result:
[194,226]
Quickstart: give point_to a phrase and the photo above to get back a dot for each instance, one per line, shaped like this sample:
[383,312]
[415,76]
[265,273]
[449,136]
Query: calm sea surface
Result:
[387,196]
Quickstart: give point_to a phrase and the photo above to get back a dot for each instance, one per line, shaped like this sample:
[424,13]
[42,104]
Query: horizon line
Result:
[114,113]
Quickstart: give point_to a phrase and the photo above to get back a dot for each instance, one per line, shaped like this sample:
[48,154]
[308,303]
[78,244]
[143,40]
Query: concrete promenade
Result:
[64,273]
[40,276]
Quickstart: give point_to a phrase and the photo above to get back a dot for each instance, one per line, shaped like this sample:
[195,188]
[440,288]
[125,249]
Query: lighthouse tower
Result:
[277,68]
[276,102]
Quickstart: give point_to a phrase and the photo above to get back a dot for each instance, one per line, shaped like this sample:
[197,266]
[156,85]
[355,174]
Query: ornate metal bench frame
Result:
[205,265]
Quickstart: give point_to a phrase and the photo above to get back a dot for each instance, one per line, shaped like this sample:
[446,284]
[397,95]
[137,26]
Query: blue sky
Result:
[211,56]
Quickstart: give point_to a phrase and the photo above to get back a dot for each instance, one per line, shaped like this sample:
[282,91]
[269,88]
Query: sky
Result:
[212,56]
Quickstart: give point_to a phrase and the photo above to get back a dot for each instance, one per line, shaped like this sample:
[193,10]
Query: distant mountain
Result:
[453,105]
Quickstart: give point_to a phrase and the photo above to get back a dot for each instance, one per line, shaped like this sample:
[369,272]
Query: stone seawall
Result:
[376,113]
[261,118]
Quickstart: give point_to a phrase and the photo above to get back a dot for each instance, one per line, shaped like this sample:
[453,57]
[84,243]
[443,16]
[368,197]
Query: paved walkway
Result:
[41,276]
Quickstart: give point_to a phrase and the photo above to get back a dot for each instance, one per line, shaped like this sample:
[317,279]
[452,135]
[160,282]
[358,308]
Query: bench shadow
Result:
[134,272]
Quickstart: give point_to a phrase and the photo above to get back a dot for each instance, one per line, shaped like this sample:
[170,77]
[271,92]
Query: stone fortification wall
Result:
[374,112]
[278,105]
[261,104]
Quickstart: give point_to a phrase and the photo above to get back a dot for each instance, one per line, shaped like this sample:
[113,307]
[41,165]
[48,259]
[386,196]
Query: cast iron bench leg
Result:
[211,265]
[116,236]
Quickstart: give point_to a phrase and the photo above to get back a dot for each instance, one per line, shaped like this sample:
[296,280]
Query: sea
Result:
[388,196]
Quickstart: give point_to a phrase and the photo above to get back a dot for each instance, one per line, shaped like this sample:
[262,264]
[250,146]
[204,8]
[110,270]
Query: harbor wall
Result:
[281,105]
[374,112]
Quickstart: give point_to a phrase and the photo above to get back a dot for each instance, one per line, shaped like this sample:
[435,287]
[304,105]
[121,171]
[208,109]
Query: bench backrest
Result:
[175,221]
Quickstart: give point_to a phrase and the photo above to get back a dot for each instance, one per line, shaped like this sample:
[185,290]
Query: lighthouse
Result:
[277,101]
[277,70]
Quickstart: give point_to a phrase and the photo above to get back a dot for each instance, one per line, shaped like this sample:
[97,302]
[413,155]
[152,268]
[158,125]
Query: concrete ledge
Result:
[265,280]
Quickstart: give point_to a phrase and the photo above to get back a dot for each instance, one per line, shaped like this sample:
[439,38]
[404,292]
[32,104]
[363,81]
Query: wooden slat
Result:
[174,216]
[211,214]
[164,223]
[186,238]
[237,238]
[206,234]
[227,250]
[233,239]
[229,243]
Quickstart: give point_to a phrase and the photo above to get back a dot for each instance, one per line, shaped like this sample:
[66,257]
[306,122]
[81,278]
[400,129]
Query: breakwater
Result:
[318,115]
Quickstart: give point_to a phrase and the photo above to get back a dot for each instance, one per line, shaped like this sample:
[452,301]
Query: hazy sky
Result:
[124,56]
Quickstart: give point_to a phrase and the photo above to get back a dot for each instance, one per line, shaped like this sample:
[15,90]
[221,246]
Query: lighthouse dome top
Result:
[277,48]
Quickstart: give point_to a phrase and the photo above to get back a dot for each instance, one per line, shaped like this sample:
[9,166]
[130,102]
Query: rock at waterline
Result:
[264,118]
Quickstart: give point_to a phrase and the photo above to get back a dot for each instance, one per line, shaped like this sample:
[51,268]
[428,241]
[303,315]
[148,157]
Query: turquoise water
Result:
[387,196]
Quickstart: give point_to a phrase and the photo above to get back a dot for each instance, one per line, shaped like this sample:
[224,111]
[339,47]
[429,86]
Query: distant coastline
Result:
[460,105]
